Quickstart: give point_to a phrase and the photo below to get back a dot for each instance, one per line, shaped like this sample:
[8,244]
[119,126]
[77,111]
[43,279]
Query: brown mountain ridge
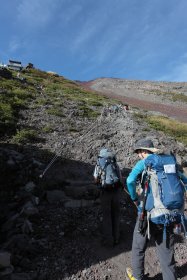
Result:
[167,98]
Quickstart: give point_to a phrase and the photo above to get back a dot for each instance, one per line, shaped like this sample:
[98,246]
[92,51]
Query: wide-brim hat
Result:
[105,152]
[145,144]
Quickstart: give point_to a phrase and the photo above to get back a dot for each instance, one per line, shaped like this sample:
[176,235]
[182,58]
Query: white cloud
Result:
[142,39]
[36,13]
[89,29]
[83,36]
[14,45]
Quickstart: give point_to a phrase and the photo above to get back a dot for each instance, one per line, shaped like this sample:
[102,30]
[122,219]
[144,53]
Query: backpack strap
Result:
[104,168]
[101,169]
[143,212]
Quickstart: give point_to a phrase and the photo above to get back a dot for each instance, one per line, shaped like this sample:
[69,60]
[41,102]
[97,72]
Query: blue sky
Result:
[88,39]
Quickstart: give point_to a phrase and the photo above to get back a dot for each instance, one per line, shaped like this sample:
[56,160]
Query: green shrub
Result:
[95,103]
[41,101]
[7,118]
[73,129]
[140,116]
[6,113]
[56,112]
[88,112]
[54,87]
[24,136]
[21,93]
[171,127]
[179,97]
[47,129]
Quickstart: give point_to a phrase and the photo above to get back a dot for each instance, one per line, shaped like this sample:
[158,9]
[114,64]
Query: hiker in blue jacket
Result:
[109,196]
[165,247]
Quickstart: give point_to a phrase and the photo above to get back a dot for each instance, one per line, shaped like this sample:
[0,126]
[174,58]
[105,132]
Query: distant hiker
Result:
[126,107]
[18,75]
[115,109]
[104,112]
[108,179]
[160,207]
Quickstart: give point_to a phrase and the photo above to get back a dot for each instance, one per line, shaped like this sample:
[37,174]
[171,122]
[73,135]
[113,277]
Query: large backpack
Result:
[165,195]
[108,172]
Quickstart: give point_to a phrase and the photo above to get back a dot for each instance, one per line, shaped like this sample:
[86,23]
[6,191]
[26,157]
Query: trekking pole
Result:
[143,211]
[48,166]
[50,163]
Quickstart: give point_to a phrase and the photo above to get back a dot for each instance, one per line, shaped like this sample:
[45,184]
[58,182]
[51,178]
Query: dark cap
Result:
[145,144]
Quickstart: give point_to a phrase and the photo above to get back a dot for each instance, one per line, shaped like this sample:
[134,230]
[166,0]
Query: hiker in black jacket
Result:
[108,179]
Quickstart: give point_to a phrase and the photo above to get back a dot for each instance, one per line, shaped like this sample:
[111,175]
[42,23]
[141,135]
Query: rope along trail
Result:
[108,116]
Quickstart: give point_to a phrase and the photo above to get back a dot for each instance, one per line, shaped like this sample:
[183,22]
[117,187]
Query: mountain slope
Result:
[50,224]
[169,99]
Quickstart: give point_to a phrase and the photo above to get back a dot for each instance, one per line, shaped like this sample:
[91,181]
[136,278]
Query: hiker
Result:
[126,107]
[18,75]
[108,179]
[148,225]
[104,112]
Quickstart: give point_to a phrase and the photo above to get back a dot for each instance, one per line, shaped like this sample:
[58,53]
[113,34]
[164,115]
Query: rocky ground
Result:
[51,229]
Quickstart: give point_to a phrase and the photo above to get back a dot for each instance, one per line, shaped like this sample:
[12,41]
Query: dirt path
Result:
[176,112]
[169,110]
[73,249]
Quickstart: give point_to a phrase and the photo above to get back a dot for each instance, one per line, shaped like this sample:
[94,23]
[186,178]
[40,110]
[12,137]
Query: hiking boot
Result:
[130,274]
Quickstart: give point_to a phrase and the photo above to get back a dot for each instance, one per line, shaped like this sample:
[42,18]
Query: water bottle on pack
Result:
[177,229]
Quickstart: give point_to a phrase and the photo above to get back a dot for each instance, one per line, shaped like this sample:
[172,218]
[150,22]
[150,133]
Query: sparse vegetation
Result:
[42,89]
[140,115]
[56,112]
[6,117]
[170,127]
[47,129]
[13,98]
[25,135]
[85,111]
[48,158]
[171,95]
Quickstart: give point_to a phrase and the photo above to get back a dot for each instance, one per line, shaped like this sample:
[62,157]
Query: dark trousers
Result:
[110,205]
[165,250]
